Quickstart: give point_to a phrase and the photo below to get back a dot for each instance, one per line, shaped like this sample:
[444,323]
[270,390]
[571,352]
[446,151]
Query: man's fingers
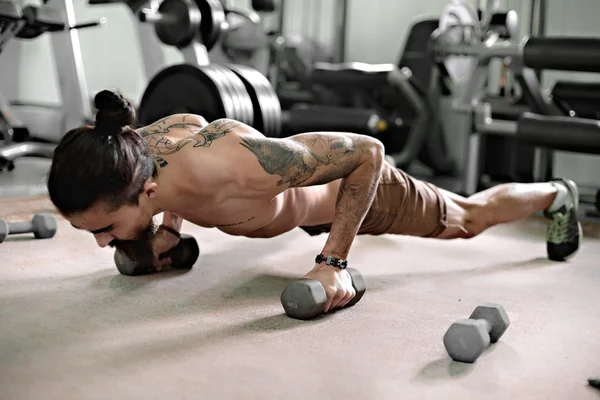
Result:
[337,298]
[331,293]
[349,296]
[162,263]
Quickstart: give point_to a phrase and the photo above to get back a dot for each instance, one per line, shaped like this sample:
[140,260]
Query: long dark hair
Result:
[107,163]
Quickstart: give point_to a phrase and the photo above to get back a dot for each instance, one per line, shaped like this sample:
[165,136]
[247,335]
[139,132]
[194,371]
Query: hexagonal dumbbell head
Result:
[3,230]
[467,339]
[44,225]
[183,256]
[497,317]
[304,299]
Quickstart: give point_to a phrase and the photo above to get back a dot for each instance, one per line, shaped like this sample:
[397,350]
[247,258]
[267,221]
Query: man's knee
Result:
[466,218]
[476,218]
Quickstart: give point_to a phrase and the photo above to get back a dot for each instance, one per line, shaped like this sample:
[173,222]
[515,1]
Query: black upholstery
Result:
[580,99]
[358,75]
[560,133]
[581,54]
[361,75]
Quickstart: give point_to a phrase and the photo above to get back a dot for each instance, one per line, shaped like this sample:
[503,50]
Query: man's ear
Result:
[150,189]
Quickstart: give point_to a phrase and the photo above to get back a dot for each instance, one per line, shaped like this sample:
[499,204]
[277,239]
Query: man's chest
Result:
[233,215]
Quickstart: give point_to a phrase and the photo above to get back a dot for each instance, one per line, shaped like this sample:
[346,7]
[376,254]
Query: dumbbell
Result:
[183,256]
[466,339]
[43,226]
[306,298]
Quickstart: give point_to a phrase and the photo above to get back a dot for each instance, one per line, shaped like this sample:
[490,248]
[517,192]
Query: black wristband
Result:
[170,230]
[336,262]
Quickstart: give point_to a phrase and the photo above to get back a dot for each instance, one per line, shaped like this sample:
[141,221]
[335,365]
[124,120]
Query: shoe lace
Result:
[559,228]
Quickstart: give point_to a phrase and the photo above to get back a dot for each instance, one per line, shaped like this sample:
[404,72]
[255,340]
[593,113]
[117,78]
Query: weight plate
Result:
[458,24]
[184,89]
[228,97]
[213,17]
[218,78]
[242,97]
[240,113]
[254,91]
[182,32]
[267,109]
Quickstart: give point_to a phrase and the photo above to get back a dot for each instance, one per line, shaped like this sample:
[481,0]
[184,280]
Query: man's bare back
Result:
[252,196]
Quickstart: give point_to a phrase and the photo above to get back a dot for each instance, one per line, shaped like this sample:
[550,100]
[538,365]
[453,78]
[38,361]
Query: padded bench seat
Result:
[581,97]
[355,74]
[577,135]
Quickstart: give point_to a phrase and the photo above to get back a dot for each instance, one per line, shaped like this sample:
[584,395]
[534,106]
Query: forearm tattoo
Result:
[160,146]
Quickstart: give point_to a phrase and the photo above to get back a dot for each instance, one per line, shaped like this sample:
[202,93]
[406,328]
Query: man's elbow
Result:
[374,152]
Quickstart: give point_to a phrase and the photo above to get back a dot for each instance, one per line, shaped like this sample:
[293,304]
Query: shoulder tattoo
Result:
[159,145]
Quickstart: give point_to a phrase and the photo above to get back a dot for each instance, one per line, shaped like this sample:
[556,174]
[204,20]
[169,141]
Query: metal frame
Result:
[154,57]
[76,105]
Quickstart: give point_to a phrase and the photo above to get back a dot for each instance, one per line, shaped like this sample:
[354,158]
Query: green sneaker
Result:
[564,232]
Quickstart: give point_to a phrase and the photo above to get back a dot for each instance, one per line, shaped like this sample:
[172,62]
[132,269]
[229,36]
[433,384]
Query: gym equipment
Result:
[577,99]
[183,256]
[41,124]
[305,299]
[405,95]
[543,126]
[43,226]
[232,91]
[249,43]
[466,339]
[293,57]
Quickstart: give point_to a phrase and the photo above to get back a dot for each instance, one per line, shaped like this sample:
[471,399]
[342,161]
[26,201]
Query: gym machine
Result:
[233,91]
[407,94]
[30,22]
[249,44]
[544,125]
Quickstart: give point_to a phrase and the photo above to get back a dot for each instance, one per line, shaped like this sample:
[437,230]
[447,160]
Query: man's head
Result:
[101,178]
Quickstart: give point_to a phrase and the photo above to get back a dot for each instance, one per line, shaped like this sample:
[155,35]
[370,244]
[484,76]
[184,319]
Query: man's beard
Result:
[139,249]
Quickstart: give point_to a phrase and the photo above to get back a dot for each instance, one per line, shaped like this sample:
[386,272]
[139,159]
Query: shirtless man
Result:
[111,180]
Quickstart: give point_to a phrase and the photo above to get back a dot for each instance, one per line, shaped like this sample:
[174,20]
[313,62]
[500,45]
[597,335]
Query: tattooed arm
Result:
[318,158]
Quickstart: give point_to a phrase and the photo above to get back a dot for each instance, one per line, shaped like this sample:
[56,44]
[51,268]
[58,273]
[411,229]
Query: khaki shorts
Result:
[403,205]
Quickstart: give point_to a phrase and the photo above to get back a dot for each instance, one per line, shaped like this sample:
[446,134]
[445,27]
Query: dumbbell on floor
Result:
[306,298]
[183,256]
[466,339]
[43,226]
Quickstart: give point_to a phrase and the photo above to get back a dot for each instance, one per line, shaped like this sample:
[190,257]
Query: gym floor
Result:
[73,328]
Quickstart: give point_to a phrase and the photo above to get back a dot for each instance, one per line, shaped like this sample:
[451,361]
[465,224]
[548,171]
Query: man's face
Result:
[129,228]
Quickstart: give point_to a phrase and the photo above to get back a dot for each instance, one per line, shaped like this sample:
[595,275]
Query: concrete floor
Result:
[27,179]
[73,328]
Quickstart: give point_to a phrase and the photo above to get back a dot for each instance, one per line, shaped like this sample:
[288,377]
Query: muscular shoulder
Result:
[214,154]
[176,126]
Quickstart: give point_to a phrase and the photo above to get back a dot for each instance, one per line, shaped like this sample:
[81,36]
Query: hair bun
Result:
[114,112]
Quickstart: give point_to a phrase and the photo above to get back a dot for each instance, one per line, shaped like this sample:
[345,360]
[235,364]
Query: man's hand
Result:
[162,242]
[165,240]
[337,283]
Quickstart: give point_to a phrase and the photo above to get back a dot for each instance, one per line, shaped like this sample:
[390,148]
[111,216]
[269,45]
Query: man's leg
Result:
[468,217]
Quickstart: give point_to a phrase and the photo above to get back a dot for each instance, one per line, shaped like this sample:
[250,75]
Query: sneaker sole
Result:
[572,186]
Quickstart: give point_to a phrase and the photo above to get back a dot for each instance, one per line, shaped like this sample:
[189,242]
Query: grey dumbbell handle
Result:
[20,227]
[486,324]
